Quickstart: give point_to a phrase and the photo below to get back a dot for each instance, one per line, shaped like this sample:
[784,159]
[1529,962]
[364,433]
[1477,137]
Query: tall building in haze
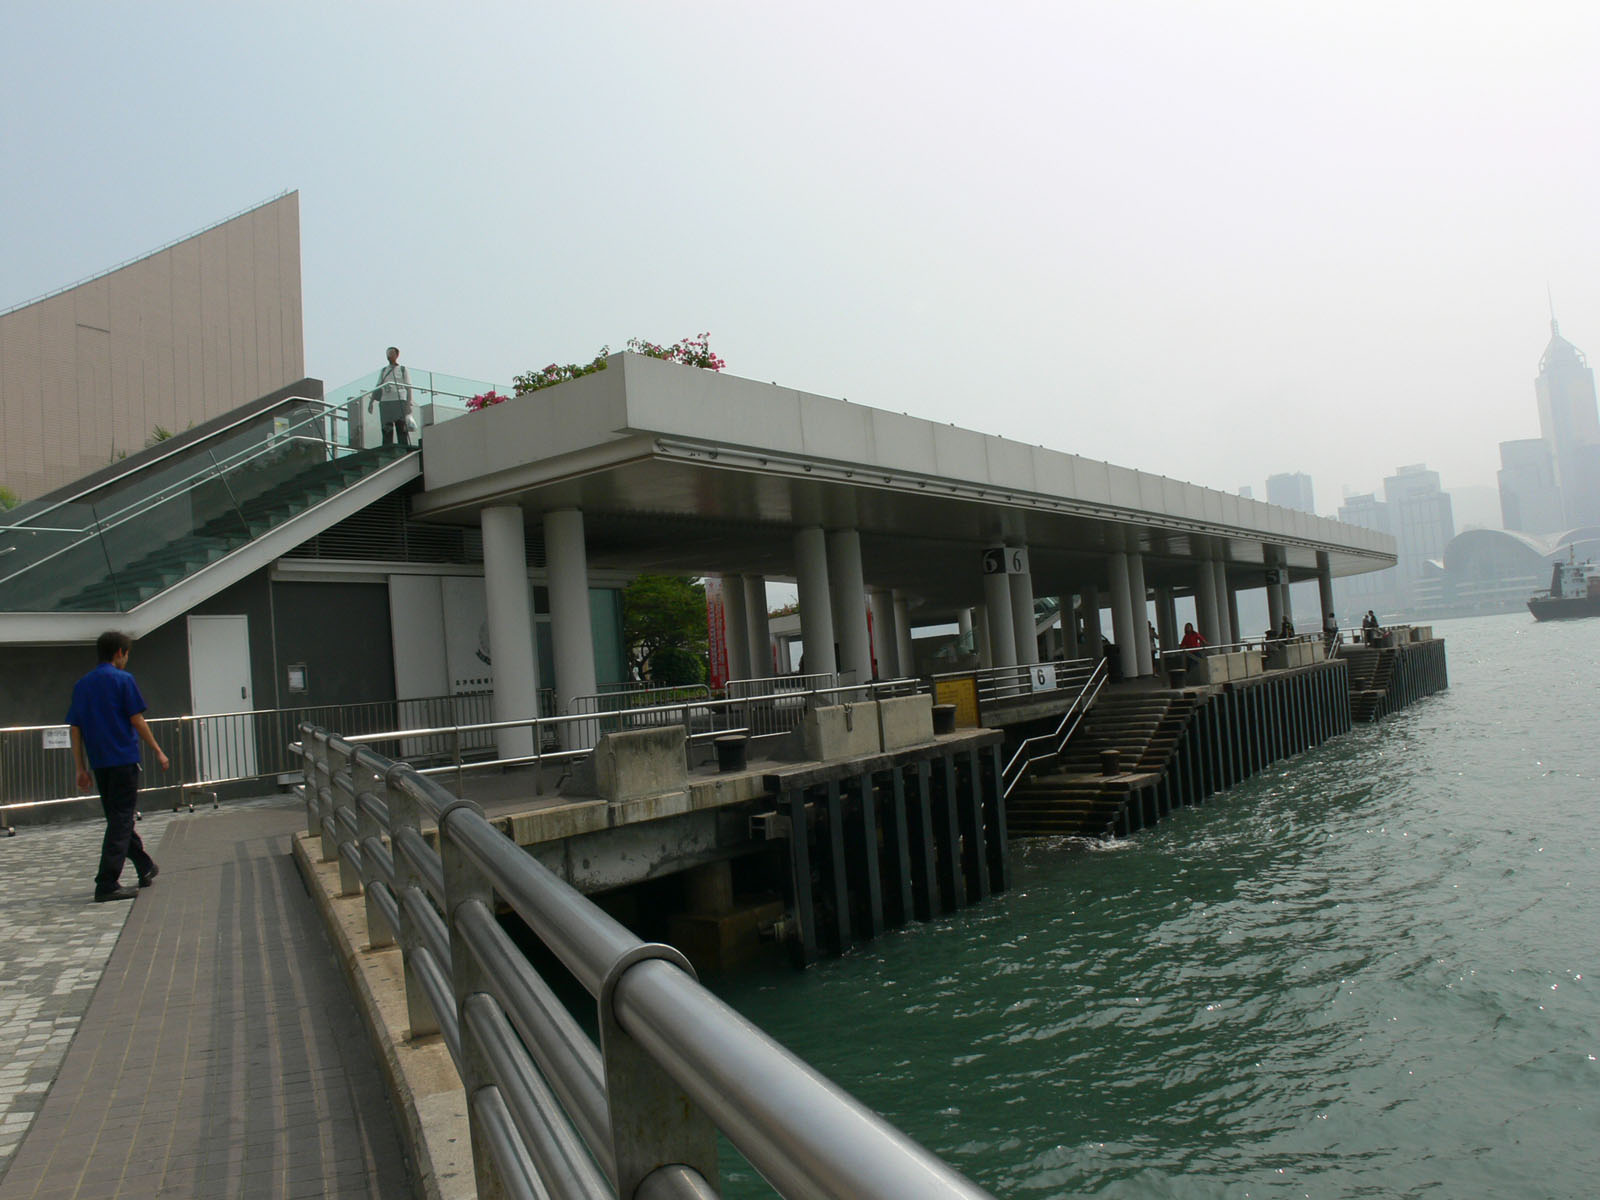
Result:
[1553,482]
[1291,491]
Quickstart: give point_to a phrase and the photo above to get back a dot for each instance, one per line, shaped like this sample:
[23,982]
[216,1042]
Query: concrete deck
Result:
[221,1052]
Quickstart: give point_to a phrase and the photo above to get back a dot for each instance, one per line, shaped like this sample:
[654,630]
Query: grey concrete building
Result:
[168,340]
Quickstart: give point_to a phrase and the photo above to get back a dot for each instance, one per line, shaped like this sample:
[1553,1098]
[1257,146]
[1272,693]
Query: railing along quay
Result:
[552,1113]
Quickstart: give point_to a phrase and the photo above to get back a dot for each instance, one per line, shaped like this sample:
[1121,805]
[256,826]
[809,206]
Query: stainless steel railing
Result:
[1047,746]
[554,1113]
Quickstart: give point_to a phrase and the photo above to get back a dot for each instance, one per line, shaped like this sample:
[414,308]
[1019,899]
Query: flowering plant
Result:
[691,352]
[555,373]
[479,403]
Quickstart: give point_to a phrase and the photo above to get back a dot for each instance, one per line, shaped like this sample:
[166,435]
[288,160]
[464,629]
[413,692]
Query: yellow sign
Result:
[963,693]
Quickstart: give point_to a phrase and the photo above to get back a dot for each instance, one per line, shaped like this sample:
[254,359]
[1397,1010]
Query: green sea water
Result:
[1369,971]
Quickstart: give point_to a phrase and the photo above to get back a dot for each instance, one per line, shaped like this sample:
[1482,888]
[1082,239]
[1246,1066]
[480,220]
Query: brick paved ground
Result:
[220,1055]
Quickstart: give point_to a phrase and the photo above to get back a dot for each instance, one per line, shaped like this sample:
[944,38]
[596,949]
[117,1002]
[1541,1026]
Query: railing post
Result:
[405,813]
[463,884]
[365,781]
[344,796]
[654,1123]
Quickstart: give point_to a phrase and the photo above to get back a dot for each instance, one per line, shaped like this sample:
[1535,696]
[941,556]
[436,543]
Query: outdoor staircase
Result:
[1075,796]
[1371,670]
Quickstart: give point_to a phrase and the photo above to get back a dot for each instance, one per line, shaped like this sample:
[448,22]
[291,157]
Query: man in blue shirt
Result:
[107,719]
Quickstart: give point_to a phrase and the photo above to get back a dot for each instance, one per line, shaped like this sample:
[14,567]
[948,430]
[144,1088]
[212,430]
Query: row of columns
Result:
[834,602]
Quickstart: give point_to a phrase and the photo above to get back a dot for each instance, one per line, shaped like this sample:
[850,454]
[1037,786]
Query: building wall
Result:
[172,339]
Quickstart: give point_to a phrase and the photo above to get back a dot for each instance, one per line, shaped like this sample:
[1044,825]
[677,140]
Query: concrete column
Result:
[758,635]
[1141,613]
[997,608]
[980,636]
[1122,616]
[1091,623]
[885,645]
[1022,623]
[736,632]
[964,621]
[1166,620]
[1274,605]
[905,652]
[512,657]
[1231,607]
[571,633]
[1205,604]
[849,591]
[816,604]
[1226,629]
[1071,647]
[1324,586]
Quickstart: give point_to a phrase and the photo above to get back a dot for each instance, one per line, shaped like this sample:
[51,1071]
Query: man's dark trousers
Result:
[119,797]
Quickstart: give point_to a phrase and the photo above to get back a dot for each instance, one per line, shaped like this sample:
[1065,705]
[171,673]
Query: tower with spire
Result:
[1552,482]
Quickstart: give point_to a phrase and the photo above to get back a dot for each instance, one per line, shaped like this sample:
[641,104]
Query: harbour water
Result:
[1369,971]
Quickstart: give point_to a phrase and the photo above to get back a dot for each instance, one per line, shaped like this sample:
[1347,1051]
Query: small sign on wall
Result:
[1044,677]
[963,693]
[59,738]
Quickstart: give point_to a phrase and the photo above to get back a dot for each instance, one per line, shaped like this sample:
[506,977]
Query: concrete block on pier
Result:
[843,731]
[640,762]
[1212,668]
[1245,664]
[905,721]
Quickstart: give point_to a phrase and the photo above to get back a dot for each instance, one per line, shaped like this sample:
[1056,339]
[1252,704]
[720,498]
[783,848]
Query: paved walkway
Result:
[212,1049]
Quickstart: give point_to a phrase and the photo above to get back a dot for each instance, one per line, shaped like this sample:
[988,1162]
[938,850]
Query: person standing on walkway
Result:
[107,719]
[393,397]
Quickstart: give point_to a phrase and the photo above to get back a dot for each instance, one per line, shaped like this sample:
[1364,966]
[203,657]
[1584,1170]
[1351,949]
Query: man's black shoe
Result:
[122,893]
[147,880]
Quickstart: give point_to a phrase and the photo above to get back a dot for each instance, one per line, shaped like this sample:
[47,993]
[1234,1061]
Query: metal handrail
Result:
[1062,733]
[691,1064]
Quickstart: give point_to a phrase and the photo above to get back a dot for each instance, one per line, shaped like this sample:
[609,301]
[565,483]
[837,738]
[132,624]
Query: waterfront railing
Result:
[552,1112]
[1047,747]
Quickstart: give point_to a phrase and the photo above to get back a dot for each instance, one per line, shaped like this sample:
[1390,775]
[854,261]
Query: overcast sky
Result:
[1209,240]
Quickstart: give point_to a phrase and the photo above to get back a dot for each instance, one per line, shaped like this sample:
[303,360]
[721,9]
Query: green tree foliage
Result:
[664,629]
[8,498]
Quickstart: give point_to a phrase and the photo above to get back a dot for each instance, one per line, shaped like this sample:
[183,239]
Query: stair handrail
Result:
[1012,773]
[216,469]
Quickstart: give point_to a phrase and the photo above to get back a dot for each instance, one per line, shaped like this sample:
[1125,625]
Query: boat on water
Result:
[1574,592]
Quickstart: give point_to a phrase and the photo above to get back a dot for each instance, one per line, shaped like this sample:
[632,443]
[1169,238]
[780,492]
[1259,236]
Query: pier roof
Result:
[688,471]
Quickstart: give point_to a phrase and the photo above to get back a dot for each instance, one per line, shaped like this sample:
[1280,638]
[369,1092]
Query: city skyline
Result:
[1244,239]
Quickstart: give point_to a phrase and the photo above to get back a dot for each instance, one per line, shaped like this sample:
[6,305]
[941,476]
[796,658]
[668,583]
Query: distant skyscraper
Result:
[1569,427]
[1530,501]
[1419,515]
[1247,492]
[1291,491]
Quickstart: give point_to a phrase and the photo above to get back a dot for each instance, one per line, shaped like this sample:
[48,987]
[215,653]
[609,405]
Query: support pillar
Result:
[758,635]
[571,632]
[1023,627]
[816,611]
[849,592]
[1324,586]
[997,608]
[885,645]
[1227,631]
[736,631]
[980,636]
[1141,614]
[1205,604]
[1092,631]
[1071,646]
[1274,605]
[509,614]
[905,653]
[1122,616]
[1166,620]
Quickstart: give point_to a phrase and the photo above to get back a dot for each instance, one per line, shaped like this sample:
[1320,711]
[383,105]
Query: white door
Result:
[219,682]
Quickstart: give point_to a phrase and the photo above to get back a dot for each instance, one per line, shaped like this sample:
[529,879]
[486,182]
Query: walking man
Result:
[107,719]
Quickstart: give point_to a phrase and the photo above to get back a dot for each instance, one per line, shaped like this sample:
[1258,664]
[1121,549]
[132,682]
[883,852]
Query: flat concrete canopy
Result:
[685,471]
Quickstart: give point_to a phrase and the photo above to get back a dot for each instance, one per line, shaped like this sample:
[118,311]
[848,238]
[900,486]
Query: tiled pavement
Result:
[220,1054]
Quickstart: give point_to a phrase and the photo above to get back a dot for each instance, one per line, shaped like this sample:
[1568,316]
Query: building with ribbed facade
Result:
[1553,482]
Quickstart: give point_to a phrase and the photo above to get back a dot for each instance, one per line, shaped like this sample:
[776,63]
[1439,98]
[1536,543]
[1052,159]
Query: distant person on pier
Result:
[1192,643]
[1108,651]
[1369,628]
[1330,630]
[393,398]
[1287,631]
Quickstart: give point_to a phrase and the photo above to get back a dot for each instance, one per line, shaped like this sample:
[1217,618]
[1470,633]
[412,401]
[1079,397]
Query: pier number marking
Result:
[1005,560]
[1275,576]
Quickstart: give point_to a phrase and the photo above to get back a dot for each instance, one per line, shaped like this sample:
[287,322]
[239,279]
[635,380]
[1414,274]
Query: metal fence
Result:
[552,1113]
[37,770]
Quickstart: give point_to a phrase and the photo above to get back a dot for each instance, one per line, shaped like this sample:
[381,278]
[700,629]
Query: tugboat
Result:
[1574,592]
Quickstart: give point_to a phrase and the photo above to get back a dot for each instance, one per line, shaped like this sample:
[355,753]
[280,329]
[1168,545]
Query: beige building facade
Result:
[171,339]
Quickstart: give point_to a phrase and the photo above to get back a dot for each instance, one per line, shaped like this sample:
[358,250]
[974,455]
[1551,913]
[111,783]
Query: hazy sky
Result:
[1209,240]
